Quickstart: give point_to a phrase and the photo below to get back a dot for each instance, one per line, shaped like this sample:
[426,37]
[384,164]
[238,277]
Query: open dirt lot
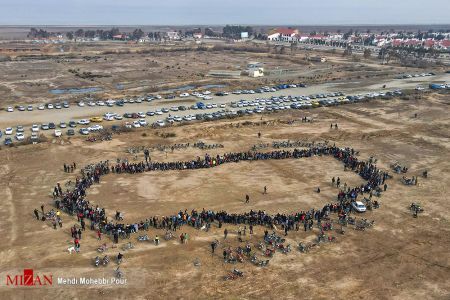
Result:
[399,258]
[35,73]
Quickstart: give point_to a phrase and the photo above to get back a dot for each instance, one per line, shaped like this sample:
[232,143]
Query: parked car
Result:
[8,141]
[44,126]
[136,124]
[34,128]
[30,107]
[72,124]
[70,132]
[51,125]
[19,128]
[142,122]
[58,133]
[96,119]
[83,122]
[84,131]
[62,125]
[41,107]
[358,206]
[160,123]
[8,131]
[9,109]
[21,108]
[49,106]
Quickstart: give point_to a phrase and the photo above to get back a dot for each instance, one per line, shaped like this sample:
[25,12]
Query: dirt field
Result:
[34,73]
[399,258]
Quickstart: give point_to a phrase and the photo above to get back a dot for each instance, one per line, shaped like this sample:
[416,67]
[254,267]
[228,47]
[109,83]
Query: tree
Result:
[79,33]
[366,53]
[69,35]
[137,34]
[209,32]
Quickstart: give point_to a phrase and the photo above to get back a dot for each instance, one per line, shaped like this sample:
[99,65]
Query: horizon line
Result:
[224,24]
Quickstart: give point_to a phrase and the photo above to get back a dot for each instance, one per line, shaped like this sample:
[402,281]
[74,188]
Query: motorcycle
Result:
[97,261]
[143,238]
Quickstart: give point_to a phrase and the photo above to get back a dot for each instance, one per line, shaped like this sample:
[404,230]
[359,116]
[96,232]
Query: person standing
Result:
[247,198]
[225,233]
[36,213]
[265,190]
[213,247]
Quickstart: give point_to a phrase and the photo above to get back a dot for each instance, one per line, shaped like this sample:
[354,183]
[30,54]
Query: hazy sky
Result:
[187,12]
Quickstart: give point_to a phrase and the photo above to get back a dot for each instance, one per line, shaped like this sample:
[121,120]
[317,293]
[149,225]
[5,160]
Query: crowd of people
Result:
[74,201]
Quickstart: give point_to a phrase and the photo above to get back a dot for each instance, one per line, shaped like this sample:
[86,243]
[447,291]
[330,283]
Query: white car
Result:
[142,122]
[118,117]
[10,109]
[206,92]
[20,136]
[158,97]
[160,123]
[83,122]
[81,104]
[9,131]
[136,124]
[84,131]
[223,105]
[184,95]
[158,112]
[174,108]
[95,127]
[358,206]
[100,103]
[29,107]
[35,128]
[58,132]
[41,107]
[177,118]
[141,114]
[50,106]
[419,88]
[34,136]
[91,103]
[207,98]
[62,125]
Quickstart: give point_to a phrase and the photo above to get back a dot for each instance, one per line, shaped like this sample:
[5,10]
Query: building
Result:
[318,59]
[173,35]
[197,35]
[255,72]
[224,74]
[282,34]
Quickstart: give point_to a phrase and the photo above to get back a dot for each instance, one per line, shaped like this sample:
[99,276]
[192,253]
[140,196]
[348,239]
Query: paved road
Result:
[27,118]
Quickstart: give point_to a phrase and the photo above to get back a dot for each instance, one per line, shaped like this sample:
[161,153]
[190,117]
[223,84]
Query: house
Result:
[282,34]
[445,44]
[173,35]
[119,37]
[197,35]
[255,72]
